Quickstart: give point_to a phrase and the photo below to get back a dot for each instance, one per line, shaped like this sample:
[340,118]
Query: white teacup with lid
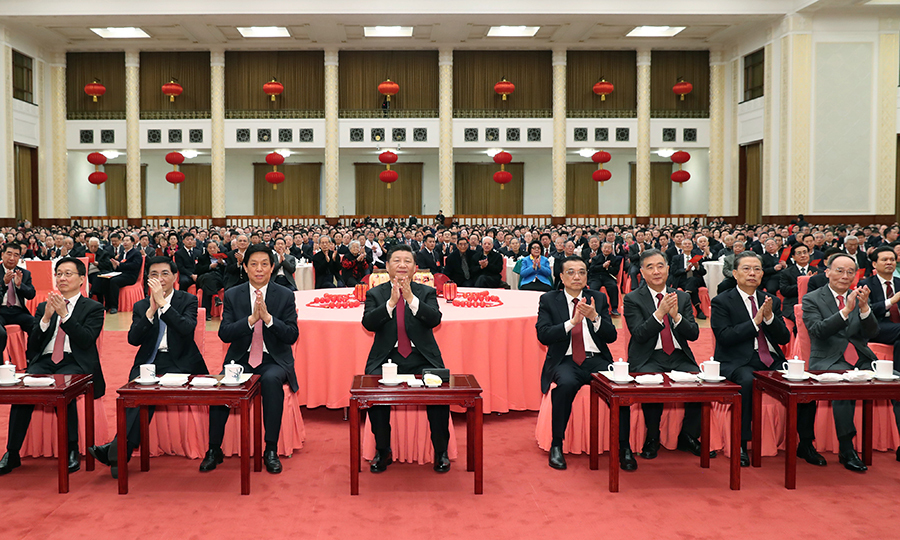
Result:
[7,372]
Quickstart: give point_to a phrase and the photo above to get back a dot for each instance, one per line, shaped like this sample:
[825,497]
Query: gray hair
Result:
[354,242]
[323,237]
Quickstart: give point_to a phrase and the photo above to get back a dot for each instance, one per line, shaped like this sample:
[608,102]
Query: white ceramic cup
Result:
[794,368]
[389,371]
[883,368]
[148,372]
[710,369]
[233,372]
[7,373]
[619,370]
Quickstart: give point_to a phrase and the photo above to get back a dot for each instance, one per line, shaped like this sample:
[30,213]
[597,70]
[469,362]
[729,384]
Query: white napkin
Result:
[828,377]
[203,381]
[682,376]
[654,378]
[173,379]
[858,375]
[38,381]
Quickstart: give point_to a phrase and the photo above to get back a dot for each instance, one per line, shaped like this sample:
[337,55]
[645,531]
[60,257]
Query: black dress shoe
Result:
[217,300]
[700,314]
[113,311]
[850,460]
[211,459]
[273,464]
[557,459]
[615,313]
[686,443]
[100,453]
[650,449]
[9,462]
[74,461]
[808,452]
[626,460]
[745,459]
[442,463]
[381,461]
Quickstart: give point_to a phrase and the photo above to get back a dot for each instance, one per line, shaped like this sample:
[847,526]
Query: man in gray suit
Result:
[840,325]
[285,266]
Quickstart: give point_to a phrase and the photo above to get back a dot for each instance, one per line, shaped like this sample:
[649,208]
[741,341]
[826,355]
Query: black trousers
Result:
[210,283]
[184,281]
[488,282]
[17,315]
[281,280]
[536,285]
[272,378]
[20,415]
[612,288]
[569,378]
[107,289]
[692,286]
[634,271]
[661,362]
[438,415]
[806,412]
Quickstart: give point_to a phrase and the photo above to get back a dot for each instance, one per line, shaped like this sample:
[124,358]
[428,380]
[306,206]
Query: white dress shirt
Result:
[887,298]
[746,298]
[164,344]
[835,294]
[589,345]
[67,348]
[675,322]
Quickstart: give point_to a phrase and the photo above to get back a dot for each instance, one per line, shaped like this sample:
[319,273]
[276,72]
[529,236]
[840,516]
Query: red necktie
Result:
[850,355]
[11,292]
[59,343]
[668,345]
[765,356]
[577,338]
[895,311]
[256,345]
[404,345]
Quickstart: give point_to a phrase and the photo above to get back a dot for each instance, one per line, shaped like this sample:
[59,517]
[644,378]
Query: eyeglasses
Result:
[570,273]
[749,269]
[66,274]
[164,273]
[842,271]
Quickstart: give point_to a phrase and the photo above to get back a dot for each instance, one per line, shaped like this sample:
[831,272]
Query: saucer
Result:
[147,381]
[385,382]
[890,377]
[231,383]
[711,379]
[626,380]
[802,377]
[10,383]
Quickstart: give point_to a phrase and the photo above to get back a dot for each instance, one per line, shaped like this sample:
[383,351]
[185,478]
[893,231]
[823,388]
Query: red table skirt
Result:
[41,439]
[410,437]
[16,343]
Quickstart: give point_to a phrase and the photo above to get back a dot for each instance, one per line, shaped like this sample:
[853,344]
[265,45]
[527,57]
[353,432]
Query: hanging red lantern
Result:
[387,158]
[174,158]
[274,178]
[274,159]
[504,88]
[603,88]
[95,89]
[97,178]
[96,159]
[388,88]
[502,177]
[682,88]
[601,175]
[680,176]
[681,157]
[601,157]
[273,88]
[175,178]
[388,177]
[172,89]
[502,158]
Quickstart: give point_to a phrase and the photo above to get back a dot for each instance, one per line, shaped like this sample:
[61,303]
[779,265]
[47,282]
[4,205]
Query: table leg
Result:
[868,411]
[704,437]
[354,446]
[122,457]
[479,446]
[614,445]
[62,434]
[595,430]
[245,446]
[89,425]
[145,438]
[790,444]
[736,442]
[257,432]
[470,439]
[756,457]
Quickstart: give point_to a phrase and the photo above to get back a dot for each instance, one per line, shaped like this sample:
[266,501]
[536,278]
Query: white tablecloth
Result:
[304,278]
[713,276]
[511,277]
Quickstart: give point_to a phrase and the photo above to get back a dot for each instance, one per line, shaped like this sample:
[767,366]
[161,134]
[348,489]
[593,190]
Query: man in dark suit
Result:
[187,265]
[114,247]
[162,326]
[851,246]
[749,331]
[79,248]
[603,269]
[259,320]
[841,323]
[461,266]
[427,258]
[403,314]
[575,325]
[327,265]
[129,264]
[661,323]
[885,299]
[772,266]
[210,276]
[98,259]
[688,276]
[489,265]
[63,341]
[285,266]
[17,289]
[787,282]
[235,273]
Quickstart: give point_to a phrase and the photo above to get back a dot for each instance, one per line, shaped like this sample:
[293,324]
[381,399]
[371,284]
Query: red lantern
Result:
[680,176]
[387,158]
[601,157]
[95,89]
[274,178]
[175,178]
[359,292]
[504,88]
[273,88]
[388,88]
[681,157]
[97,178]
[174,158]
[601,175]
[603,88]
[449,291]
[96,159]
[682,87]
[502,178]
[388,177]
[172,89]
[502,159]
[274,159]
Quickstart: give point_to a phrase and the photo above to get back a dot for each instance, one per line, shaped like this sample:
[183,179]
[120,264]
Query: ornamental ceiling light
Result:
[190,154]
[111,154]
[120,32]
[665,152]
[285,153]
[655,31]
[493,151]
[263,31]
[586,152]
[388,31]
[513,31]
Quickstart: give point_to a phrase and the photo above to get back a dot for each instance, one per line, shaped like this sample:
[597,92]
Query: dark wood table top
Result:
[188,393]
[460,388]
[62,383]
[667,388]
[874,389]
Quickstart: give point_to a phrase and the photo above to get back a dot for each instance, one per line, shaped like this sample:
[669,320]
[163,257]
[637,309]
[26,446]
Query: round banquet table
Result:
[498,345]
[714,276]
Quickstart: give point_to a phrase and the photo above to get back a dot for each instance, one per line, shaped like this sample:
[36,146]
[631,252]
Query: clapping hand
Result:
[7,277]
[766,309]
[483,262]
[850,304]
[395,293]
[55,303]
[587,309]
[405,289]
[262,309]
[862,296]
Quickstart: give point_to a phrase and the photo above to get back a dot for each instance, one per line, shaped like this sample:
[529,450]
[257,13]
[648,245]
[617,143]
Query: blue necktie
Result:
[162,332]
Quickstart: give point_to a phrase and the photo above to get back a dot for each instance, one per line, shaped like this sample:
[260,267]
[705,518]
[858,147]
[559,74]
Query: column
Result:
[332,137]
[217,138]
[558,162]
[768,149]
[133,136]
[57,139]
[643,136]
[796,114]
[716,132]
[886,123]
[7,151]
[445,133]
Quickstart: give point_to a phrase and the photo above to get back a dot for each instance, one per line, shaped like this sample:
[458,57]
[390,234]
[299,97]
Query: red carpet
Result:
[670,497]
